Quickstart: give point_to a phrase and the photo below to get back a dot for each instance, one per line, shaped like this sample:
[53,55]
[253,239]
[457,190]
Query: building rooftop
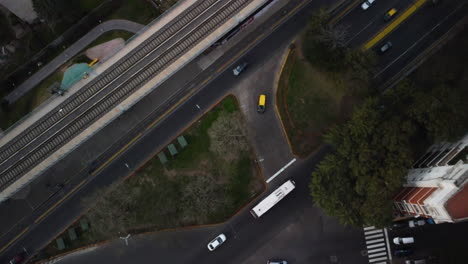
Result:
[457,206]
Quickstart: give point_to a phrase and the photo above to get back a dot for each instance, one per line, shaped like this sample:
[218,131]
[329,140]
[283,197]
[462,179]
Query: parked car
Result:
[403,252]
[400,224]
[19,258]
[277,262]
[385,47]
[366,4]
[415,261]
[413,223]
[218,241]
[403,240]
[416,223]
[240,68]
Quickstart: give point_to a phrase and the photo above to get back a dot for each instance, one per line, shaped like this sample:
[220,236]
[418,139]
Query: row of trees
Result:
[375,148]
[56,11]
[386,132]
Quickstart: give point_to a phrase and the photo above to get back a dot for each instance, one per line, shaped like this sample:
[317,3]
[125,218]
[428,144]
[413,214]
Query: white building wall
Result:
[447,179]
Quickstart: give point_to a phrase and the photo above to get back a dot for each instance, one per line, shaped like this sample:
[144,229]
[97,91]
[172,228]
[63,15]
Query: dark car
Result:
[417,222]
[400,224]
[19,258]
[403,252]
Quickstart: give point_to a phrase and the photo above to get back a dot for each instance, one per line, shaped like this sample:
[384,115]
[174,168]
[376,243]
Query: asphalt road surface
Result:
[409,39]
[293,230]
[38,234]
[443,243]
[335,243]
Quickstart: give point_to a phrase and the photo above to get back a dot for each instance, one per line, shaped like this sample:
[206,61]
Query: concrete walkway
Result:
[75,48]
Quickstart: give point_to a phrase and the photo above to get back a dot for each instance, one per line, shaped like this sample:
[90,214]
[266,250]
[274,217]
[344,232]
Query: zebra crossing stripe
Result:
[374,236]
[378,255]
[373,232]
[377,259]
[376,250]
[374,241]
[376,245]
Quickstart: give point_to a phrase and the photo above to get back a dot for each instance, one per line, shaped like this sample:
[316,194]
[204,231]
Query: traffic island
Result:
[204,176]
[317,90]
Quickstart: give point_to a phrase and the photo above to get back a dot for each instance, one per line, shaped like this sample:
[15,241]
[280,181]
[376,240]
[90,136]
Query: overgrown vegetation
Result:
[375,148]
[321,82]
[205,183]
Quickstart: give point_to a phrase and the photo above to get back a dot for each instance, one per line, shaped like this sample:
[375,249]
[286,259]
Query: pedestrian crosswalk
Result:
[378,248]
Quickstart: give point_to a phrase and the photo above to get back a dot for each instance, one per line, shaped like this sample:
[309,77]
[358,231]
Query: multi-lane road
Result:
[414,35]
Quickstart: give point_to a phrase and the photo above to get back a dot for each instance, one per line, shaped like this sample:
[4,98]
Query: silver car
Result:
[240,68]
[218,241]
[385,47]
[366,4]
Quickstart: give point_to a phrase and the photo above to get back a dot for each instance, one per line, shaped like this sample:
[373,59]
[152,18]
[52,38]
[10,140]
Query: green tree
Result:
[54,11]
[357,182]
[6,34]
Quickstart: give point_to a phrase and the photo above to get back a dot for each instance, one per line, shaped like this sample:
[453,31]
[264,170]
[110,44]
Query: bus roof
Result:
[272,199]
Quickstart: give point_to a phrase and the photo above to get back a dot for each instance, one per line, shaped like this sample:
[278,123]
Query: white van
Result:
[403,240]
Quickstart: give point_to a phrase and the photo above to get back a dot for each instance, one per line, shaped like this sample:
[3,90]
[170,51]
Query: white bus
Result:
[272,199]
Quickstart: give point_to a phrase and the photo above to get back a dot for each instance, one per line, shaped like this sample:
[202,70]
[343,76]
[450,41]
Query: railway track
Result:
[98,87]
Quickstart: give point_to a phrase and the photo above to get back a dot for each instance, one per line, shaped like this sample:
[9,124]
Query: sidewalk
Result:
[78,46]
[136,96]
[53,102]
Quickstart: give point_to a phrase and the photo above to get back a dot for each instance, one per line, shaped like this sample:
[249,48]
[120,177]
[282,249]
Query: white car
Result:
[220,239]
[277,262]
[403,240]
[415,223]
[366,4]
[415,261]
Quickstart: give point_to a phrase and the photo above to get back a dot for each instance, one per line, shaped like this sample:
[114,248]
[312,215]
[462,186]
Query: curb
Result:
[152,155]
[276,86]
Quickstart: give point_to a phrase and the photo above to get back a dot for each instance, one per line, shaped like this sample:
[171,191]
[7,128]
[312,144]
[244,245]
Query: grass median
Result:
[311,100]
[206,182]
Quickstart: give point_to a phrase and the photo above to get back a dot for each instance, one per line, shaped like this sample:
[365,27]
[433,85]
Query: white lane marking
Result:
[419,40]
[360,31]
[388,244]
[369,228]
[281,170]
